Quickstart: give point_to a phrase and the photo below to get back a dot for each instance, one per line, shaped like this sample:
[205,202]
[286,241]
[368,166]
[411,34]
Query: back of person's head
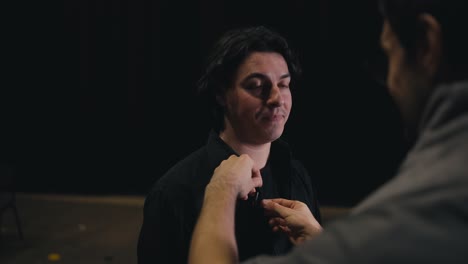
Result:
[452,15]
[228,53]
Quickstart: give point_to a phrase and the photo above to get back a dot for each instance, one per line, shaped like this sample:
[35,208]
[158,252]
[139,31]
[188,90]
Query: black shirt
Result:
[171,208]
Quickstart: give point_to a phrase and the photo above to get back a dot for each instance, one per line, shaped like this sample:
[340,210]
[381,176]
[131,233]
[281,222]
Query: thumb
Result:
[257,177]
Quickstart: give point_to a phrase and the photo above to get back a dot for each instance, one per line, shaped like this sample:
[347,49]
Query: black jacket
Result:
[173,204]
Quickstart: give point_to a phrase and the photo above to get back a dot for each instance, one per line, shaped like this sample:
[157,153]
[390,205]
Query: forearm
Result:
[213,239]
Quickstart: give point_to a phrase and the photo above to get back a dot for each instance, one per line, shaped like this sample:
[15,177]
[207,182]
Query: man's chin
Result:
[274,134]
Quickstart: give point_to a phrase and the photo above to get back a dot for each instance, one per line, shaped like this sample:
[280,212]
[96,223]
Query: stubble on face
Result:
[262,76]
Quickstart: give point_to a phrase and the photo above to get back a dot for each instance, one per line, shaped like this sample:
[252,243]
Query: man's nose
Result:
[274,97]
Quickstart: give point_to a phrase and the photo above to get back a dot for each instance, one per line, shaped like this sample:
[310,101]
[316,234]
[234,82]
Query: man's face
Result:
[259,103]
[406,80]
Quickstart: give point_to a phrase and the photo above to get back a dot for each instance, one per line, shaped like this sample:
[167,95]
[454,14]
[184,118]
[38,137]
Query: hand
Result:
[293,218]
[236,174]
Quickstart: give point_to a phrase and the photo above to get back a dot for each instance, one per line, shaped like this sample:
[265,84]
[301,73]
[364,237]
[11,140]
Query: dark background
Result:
[100,94]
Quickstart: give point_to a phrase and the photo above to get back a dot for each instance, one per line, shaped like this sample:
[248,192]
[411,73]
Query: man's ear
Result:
[432,48]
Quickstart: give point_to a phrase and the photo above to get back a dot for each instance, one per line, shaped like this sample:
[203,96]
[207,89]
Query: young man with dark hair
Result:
[248,84]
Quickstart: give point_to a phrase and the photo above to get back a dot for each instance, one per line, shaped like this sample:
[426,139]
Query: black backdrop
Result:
[102,92]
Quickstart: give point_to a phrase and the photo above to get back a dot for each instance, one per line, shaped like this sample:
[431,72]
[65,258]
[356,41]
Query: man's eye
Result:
[254,87]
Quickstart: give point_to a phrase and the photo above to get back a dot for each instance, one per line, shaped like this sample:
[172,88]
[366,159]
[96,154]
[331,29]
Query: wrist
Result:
[217,192]
[312,230]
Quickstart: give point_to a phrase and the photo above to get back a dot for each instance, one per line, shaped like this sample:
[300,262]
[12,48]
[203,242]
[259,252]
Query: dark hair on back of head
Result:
[231,49]
[403,16]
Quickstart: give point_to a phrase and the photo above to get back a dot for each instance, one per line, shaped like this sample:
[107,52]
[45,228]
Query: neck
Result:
[258,152]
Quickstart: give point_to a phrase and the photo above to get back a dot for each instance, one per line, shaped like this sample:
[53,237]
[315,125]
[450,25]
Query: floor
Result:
[72,229]
[76,229]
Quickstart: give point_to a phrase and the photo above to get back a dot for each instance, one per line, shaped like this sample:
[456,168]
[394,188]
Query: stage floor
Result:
[77,229]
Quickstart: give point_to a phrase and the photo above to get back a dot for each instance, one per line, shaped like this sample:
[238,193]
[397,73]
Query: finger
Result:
[277,221]
[277,208]
[283,229]
[268,209]
[282,201]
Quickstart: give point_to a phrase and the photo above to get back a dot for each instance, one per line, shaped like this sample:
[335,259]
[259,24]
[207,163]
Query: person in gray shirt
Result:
[420,215]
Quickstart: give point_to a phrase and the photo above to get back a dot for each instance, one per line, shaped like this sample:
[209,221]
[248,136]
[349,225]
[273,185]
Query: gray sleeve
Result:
[433,233]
